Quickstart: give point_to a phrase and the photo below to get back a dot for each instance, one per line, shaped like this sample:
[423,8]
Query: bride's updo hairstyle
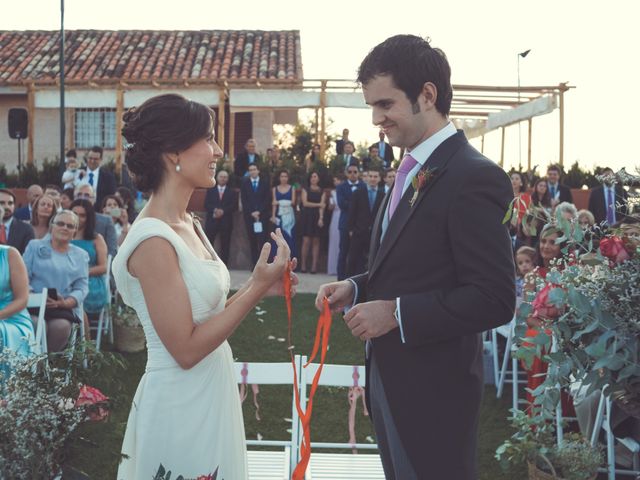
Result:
[164,124]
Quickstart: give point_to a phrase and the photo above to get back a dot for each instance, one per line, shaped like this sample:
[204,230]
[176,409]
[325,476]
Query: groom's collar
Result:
[424,149]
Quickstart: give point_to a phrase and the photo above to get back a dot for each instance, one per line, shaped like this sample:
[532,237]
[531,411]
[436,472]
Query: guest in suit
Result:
[341,162]
[389,179]
[33,193]
[104,224]
[344,192]
[220,203]
[559,193]
[99,178]
[43,210]
[440,271]
[256,208]
[341,142]
[373,161]
[608,202]
[13,232]
[365,203]
[384,150]
[246,158]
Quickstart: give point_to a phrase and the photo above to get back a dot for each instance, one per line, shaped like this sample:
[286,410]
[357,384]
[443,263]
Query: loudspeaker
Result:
[18,123]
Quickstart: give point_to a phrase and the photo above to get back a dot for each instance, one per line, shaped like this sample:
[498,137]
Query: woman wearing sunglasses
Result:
[54,263]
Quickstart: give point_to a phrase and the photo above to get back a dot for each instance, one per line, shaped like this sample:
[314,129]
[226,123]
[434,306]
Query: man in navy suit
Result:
[34,192]
[220,203]
[246,158]
[608,202]
[344,193]
[440,271]
[255,194]
[384,150]
[100,178]
[559,193]
[13,232]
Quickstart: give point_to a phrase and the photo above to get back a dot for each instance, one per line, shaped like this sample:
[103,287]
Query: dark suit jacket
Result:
[241,164]
[259,200]
[229,204]
[22,213]
[104,226]
[598,207]
[450,261]
[106,186]
[565,193]
[361,217]
[339,146]
[20,234]
[343,195]
[388,157]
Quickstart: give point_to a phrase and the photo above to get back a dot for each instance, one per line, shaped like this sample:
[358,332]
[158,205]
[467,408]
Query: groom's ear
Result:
[428,96]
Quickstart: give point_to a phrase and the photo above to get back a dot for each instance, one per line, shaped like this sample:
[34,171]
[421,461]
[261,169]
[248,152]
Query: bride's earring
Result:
[178,167]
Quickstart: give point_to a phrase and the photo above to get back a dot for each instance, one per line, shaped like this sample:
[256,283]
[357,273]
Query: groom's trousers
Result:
[395,460]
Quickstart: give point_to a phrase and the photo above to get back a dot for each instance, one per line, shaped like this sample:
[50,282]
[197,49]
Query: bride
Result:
[186,413]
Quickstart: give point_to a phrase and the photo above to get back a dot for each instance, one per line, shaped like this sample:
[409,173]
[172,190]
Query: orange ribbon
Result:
[321,342]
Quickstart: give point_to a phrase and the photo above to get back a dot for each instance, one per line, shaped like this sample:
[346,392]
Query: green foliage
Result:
[576,177]
[47,173]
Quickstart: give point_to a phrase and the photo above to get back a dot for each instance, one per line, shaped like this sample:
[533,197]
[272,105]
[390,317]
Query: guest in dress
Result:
[53,262]
[313,158]
[128,202]
[66,198]
[16,328]
[114,208]
[313,206]
[519,185]
[540,196]
[334,232]
[93,243]
[282,212]
[43,210]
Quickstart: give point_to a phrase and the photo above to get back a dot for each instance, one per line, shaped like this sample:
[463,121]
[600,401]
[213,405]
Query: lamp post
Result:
[522,54]
[62,120]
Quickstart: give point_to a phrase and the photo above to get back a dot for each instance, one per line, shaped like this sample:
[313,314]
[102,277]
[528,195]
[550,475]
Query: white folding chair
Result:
[339,465]
[267,465]
[602,422]
[39,301]
[501,374]
[105,323]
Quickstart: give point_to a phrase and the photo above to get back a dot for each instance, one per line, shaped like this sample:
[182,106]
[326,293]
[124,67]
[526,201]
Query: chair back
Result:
[39,301]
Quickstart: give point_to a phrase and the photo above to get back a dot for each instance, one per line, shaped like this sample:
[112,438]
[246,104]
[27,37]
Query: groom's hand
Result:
[339,294]
[371,319]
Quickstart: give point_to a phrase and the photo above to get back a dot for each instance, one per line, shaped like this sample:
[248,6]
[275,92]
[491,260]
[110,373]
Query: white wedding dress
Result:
[190,421]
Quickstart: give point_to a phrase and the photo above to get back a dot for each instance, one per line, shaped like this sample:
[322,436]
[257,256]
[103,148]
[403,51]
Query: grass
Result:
[97,453]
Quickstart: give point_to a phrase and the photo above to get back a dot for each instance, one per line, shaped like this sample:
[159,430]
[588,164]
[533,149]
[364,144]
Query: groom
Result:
[440,271]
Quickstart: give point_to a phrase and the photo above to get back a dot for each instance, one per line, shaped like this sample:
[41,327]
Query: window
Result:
[95,126]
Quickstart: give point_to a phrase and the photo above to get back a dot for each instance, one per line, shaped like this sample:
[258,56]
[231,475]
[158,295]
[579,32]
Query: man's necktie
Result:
[611,207]
[408,164]
[372,198]
[552,191]
[3,234]
[91,178]
[220,193]
[255,185]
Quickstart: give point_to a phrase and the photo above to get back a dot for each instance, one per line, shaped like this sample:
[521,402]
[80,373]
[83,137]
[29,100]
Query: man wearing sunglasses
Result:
[344,191]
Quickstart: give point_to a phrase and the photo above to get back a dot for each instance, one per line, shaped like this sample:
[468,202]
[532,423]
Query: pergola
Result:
[477,109]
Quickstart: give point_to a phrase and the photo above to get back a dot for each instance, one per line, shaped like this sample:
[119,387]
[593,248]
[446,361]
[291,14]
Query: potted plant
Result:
[534,444]
[127,330]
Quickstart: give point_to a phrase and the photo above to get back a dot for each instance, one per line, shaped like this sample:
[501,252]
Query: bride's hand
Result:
[266,275]
[277,289]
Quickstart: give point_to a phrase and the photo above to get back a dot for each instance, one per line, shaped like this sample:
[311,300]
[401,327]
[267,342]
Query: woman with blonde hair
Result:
[43,209]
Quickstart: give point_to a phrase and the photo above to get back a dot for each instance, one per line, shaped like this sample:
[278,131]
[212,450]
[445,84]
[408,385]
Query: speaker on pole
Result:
[18,123]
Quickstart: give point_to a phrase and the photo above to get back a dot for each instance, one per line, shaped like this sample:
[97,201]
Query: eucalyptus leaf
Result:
[557,297]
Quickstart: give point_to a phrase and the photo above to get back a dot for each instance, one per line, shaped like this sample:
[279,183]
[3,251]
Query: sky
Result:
[592,45]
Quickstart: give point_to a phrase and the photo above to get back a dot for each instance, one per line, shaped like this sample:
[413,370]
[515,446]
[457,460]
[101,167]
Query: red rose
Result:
[613,249]
[542,308]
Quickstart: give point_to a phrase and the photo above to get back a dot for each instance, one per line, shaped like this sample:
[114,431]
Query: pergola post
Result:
[530,122]
[31,112]
[482,144]
[221,119]
[502,148]
[561,107]
[119,113]
[232,136]
[323,102]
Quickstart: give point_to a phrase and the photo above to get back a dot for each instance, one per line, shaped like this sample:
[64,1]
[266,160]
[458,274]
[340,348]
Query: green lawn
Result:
[97,454]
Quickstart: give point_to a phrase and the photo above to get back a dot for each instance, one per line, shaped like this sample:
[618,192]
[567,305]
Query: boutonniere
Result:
[420,181]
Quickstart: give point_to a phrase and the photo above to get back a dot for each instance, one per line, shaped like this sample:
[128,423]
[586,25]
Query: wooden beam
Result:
[482,144]
[31,113]
[119,114]
[502,148]
[232,137]
[561,107]
[530,122]
[317,135]
[221,119]
[323,103]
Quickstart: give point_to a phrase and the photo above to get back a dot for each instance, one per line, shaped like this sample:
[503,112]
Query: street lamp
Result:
[521,54]
[62,120]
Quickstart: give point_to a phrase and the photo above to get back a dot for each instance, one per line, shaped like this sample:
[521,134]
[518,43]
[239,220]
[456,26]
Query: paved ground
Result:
[309,283]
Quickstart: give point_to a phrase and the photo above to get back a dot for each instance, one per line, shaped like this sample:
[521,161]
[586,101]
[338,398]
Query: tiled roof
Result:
[143,56]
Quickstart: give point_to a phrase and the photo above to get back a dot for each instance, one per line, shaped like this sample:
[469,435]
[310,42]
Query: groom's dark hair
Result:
[411,62]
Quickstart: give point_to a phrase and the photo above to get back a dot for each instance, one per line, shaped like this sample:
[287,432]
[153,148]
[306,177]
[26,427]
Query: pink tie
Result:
[408,163]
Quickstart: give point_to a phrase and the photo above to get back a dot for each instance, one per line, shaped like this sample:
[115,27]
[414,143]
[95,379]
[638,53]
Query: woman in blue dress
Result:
[283,210]
[91,242]
[16,329]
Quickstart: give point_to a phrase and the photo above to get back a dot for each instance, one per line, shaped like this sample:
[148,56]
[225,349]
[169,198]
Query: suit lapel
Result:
[436,162]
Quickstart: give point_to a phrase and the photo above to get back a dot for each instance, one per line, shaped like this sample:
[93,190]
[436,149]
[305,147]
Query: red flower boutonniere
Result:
[422,178]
